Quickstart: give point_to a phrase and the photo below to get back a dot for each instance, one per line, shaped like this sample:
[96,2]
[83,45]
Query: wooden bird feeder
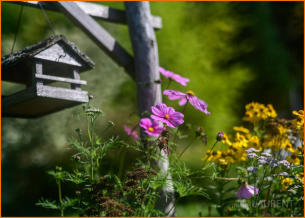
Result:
[42,68]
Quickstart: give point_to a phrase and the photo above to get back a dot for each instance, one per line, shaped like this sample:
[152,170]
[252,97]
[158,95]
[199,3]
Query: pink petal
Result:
[198,104]
[145,123]
[135,135]
[163,120]
[156,110]
[177,118]
[180,79]
[246,191]
[182,101]
[169,111]
[174,93]
[165,73]
[127,129]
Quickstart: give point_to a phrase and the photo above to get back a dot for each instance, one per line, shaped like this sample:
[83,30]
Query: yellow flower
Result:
[276,142]
[226,140]
[271,112]
[300,177]
[289,148]
[241,129]
[298,123]
[212,156]
[294,159]
[281,129]
[222,162]
[256,112]
[254,142]
[286,183]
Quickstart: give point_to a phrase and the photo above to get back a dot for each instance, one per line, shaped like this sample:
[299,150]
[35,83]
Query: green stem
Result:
[175,137]
[170,81]
[260,187]
[213,146]
[189,145]
[60,198]
[90,127]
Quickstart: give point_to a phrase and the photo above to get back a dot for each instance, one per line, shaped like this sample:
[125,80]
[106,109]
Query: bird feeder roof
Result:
[75,56]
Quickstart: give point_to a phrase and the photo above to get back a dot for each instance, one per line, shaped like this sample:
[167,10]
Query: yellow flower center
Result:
[190,92]
[166,116]
[150,129]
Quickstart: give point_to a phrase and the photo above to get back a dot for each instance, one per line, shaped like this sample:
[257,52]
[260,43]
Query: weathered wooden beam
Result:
[60,79]
[146,62]
[94,10]
[99,35]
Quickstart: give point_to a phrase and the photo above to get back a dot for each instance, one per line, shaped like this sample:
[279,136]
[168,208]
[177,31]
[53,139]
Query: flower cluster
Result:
[298,123]
[276,134]
[269,155]
[163,116]
[256,112]
[236,151]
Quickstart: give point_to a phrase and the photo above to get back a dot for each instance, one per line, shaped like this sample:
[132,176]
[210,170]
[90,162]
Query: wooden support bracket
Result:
[97,11]
[99,35]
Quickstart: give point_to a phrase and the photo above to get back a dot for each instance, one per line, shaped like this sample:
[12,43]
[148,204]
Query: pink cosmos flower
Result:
[173,76]
[246,191]
[167,115]
[131,132]
[152,128]
[187,97]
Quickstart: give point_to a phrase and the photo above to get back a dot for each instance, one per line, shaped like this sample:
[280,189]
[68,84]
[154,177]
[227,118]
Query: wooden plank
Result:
[37,101]
[146,62]
[62,93]
[60,79]
[94,10]
[75,75]
[99,35]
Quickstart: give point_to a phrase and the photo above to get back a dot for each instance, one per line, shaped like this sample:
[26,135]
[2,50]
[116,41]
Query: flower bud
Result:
[246,191]
[220,136]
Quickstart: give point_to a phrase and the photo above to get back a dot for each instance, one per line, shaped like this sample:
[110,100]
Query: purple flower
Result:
[266,154]
[252,150]
[263,160]
[131,132]
[220,136]
[246,191]
[251,155]
[167,115]
[285,163]
[173,76]
[274,163]
[252,169]
[187,97]
[152,128]
[285,174]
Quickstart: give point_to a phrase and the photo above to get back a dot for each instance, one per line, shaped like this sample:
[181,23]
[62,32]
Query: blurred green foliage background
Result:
[233,53]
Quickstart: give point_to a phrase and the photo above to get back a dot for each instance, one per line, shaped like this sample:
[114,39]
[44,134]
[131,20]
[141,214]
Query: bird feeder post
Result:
[144,44]
[75,75]
[37,69]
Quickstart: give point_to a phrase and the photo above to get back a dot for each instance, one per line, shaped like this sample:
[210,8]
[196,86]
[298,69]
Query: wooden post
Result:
[37,69]
[146,64]
[75,75]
